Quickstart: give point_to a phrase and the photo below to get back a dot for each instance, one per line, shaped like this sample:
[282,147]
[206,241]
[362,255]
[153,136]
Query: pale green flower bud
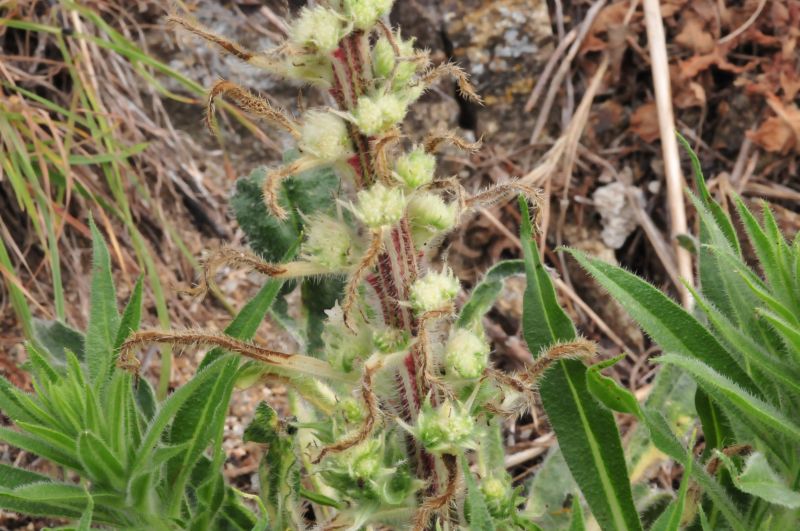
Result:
[444,429]
[434,291]
[351,410]
[383,58]
[344,348]
[415,168]
[498,494]
[429,215]
[406,69]
[466,354]
[391,340]
[320,28]
[365,459]
[380,206]
[364,13]
[324,135]
[330,243]
[377,115]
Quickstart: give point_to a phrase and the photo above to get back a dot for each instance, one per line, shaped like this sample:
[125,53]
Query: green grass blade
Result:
[586,431]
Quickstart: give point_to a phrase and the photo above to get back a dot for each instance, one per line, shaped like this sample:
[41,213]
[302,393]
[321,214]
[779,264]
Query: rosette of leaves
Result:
[121,459]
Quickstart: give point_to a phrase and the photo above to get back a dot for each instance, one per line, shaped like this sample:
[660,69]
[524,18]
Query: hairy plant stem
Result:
[397,266]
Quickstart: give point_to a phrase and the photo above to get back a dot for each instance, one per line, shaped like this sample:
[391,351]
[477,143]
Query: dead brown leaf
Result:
[644,122]
[694,36]
[781,133]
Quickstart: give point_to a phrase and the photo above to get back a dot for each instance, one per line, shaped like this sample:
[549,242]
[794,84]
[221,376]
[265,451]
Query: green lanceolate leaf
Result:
[101,463]
[131,315]
[485,293]
[586,431]
[723,222]
[767,249]
[758,479]
[668,324]
[577,523]
[750,406]
[168,409]
[196,422]
[479,517]
[665,440]
[716,426]
[36,445]
[103,316]
[12,477]
[609,392]
[55,337]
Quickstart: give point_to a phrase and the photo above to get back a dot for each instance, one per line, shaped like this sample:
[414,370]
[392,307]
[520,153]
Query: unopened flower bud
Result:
[415,168]
[391,340]
[320,27]
[343,347]
[324,135]
[434,291]
[364,13]
[466,354]
[365,459]
[351,410]
[383,58]
[380,206]
[406,69]
[429,215]
[497,494]
[377,115]
[330,243]
[446,428]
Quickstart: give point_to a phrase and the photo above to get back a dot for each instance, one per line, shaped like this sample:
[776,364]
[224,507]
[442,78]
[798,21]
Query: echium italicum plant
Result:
[403,427]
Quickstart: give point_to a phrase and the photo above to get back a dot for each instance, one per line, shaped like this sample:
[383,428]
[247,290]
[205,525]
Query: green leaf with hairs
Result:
[103,316]
[56,337]
[196,422]
[479,516]
[609,392]
[131,315]
[721,387]
[485,293]
[674,329]
[35,445]
[100,462]
[586,431]
[759,479]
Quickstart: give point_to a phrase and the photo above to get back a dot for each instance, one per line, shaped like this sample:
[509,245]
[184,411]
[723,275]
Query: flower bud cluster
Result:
[398,349]
[434,292]
[447,428]
[344,348]
[466,354]
[319,28]
[330,243]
